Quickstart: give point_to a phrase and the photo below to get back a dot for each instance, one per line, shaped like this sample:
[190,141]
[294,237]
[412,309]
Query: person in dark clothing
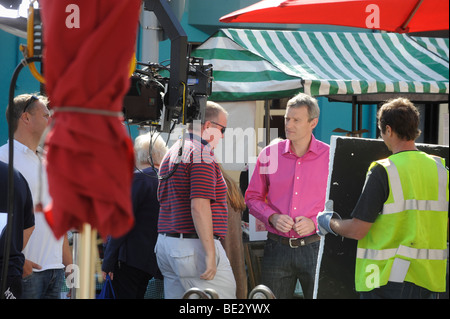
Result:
[22,227]
[130,260]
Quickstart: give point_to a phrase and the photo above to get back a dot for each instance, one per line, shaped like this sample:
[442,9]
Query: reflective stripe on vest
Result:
[400,204]
[407,256]
[414,253]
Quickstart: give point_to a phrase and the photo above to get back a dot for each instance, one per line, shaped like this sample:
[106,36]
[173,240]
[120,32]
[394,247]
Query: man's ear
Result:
[388,130]
[207,125]
[314,123]
[25,117]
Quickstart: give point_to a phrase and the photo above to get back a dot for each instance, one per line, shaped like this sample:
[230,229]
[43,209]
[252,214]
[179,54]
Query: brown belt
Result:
[294,242]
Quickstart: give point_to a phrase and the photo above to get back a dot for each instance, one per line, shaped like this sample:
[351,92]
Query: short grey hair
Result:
[142,148]
[213,110]
[303,99]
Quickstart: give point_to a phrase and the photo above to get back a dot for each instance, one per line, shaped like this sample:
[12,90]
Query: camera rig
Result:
[162,96]
[159,96]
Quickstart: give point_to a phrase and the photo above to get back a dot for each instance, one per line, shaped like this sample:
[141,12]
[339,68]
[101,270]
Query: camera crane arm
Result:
[179,55]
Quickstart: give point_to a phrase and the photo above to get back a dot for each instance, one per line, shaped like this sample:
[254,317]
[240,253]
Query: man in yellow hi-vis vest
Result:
[401,217]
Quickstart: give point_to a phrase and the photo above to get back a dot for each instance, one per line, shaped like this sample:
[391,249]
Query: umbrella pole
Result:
[87,262]
[353,113]
[75,257]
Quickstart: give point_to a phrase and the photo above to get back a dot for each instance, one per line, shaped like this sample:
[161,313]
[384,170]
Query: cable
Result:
[183,116]
[10,198]
[319,263]
[179,156]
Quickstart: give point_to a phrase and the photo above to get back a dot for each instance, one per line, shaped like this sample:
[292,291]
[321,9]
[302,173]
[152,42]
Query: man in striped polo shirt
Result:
[193,212]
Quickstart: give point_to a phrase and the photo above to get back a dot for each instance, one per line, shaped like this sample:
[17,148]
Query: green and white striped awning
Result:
[268,64]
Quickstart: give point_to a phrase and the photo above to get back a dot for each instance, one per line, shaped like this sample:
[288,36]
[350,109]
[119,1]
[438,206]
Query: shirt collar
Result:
[313,146]
[196,137]
[25,149]
[21,147]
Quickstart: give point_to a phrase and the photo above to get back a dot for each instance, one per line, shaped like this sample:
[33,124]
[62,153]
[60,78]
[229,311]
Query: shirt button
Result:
[298,177]
[296,193]
[295,208]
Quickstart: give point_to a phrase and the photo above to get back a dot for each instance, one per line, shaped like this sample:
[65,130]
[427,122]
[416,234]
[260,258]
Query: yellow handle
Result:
[30,40]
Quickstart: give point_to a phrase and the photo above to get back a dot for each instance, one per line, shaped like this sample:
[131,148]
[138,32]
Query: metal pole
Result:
[267,121]
[75,255]
[151,35]
[353,113]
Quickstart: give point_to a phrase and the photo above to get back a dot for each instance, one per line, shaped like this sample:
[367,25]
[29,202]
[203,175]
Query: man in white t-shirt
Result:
[45,256]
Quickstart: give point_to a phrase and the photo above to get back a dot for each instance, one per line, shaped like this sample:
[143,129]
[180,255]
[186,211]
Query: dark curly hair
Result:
[402,116]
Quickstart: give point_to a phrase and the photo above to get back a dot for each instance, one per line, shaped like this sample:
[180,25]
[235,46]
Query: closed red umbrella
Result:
[88,48]
[389,15]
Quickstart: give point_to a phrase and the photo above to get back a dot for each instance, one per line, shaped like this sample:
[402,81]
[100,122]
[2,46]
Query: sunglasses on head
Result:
[223,128]
[30,100]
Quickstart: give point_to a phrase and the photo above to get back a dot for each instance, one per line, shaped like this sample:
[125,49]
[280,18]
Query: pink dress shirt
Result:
[284,183]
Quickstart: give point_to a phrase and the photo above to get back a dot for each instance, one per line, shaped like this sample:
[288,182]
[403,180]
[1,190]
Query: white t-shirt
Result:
[42,247]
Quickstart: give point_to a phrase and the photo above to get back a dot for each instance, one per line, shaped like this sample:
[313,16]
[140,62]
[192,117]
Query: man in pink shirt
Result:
[286,191]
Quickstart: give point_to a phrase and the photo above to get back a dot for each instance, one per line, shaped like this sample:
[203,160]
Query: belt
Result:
[294,242]
[186,235]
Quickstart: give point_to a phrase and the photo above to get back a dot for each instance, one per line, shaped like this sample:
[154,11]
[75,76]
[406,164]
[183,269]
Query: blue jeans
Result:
[43,284]
[399,290]
[283,265]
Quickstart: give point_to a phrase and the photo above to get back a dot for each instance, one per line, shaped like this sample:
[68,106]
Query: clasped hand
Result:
[301,225]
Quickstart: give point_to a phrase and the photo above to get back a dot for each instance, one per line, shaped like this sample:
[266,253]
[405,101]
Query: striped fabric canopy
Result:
[269,64]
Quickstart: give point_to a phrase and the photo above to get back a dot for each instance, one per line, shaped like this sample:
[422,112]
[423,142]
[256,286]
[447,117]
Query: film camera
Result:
[147,101]
[162,96]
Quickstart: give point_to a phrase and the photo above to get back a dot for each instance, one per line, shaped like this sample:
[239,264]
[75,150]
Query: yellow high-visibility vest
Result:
[408,240]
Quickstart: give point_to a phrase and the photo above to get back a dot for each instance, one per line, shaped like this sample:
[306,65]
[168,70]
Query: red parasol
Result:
[88,46]
[400,16]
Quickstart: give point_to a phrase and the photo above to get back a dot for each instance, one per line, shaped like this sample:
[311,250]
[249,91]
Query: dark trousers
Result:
[129,282]
[283,265]
[399,290]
